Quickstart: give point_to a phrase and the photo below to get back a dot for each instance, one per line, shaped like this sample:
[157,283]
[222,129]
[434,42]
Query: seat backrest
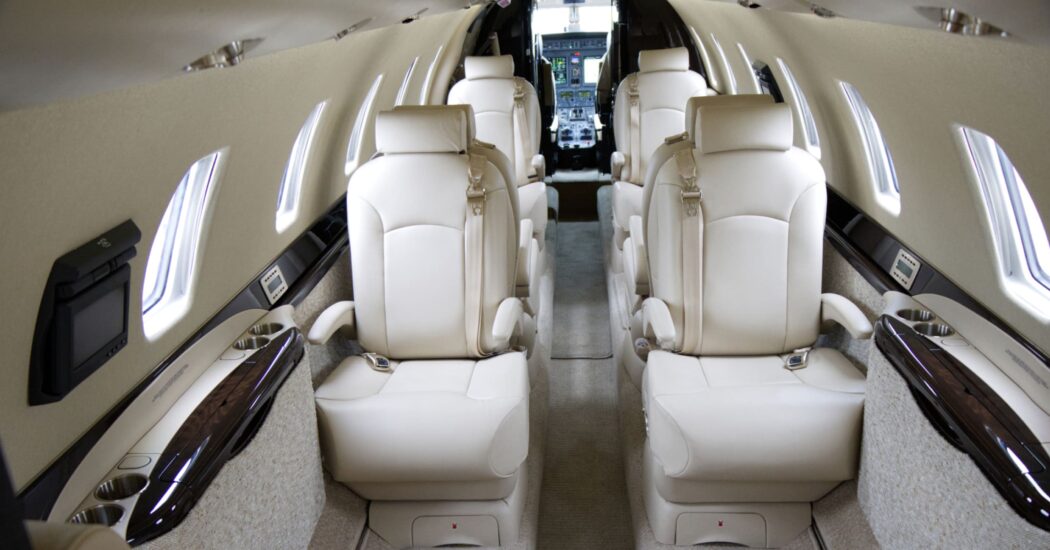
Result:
[408,215]
[489,88]
[663,85]
[547,82]
[761,222]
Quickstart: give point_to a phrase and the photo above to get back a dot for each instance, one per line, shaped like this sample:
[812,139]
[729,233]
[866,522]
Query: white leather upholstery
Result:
[497,66]
[727,421]
[425,130]
[450,422]
[745,429]
[444,430]
[763,217]
[692,108]
[664,85]
[489,88]
[406,213]
[671,59]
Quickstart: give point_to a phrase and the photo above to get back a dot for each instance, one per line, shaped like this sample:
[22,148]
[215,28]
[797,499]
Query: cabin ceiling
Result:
[53,50]
[1026,20]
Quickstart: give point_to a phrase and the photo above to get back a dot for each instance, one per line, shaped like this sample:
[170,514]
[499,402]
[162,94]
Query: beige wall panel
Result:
[72,170]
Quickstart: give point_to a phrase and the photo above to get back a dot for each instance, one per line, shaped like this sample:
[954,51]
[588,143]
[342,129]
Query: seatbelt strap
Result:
[474,247]
[522,135]
[692,250]
[635,159]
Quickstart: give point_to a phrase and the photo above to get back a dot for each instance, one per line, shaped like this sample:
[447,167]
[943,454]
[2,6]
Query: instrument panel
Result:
[575,60]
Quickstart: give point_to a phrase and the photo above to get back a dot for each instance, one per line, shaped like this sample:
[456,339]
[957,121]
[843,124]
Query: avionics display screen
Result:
[584,94]
[565,95]
[591,68]
[558,68]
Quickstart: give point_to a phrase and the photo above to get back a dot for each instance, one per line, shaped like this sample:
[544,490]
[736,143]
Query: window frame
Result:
[289,193]
[357,132]
[803,111]
[714,81]
[879,159]
[424,94]
[173,264]
[750,68]
[727,70]
[402,90]
[1012,220]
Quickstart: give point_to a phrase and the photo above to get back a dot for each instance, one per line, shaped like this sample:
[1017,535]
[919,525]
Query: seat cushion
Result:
[749,421]
[430,430]
[627,202]
[532,203]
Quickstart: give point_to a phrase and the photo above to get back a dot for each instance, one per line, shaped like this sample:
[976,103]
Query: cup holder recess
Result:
[934,329]
[105,514]
[915,315]
[121,487]
[265,329]
[251,342]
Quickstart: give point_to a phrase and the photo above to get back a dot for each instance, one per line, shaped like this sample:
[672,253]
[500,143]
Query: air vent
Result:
[821,11]
[352,28]
[227,56]
[958,22]
[414,16]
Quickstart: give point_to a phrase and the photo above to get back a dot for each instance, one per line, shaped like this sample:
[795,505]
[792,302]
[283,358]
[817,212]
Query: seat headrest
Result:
[753,127]
[425,129]
[671,59]
[694,105]
[501,66]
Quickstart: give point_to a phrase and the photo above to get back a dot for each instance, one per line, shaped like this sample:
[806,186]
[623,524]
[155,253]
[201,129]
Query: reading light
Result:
[226,56]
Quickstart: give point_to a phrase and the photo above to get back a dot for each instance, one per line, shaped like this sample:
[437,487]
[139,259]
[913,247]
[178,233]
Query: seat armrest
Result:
[554,129]
[338,316]
[839,309]
[617,162]
[523,277]
[508,322]
[598,126]
[539,167]
[657,323]
[636,259]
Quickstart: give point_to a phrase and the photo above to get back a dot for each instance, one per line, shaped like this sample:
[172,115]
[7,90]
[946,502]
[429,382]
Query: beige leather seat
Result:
[650,106]
[507,115]
[746,426]
[443,431]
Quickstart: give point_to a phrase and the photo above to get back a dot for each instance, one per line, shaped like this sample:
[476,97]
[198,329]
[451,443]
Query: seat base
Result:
[754,524]
[745,428]
[487,523]
[429,429]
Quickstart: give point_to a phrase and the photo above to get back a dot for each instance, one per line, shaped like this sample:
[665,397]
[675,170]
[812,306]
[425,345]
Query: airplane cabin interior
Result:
[525,274]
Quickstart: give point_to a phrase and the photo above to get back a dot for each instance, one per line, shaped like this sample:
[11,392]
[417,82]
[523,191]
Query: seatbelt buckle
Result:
[476,199]
[691,198]
[677,138]
[797,359]
[378,362]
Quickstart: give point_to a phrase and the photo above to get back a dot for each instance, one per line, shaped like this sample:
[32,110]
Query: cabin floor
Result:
[589,431]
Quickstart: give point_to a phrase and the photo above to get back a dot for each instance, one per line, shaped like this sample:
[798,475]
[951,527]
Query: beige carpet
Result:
[583,503]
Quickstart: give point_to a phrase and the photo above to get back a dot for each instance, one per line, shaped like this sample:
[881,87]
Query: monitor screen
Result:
[97,324]
[591,68]
[558,68]
[565,95]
